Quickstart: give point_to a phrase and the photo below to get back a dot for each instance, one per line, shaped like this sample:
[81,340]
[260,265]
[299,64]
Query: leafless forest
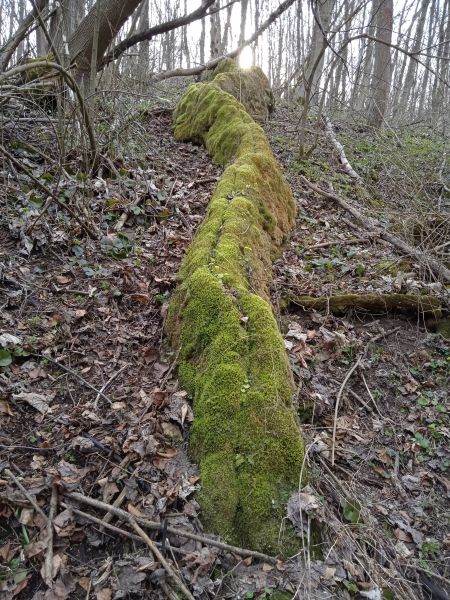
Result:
[224,299]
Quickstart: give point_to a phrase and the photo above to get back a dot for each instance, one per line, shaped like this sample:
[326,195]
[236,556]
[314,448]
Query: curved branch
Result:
[8,49]
[148,34]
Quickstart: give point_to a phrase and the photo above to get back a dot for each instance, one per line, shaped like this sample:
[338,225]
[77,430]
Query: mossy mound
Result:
[34,73]
[232,358]
[250,86]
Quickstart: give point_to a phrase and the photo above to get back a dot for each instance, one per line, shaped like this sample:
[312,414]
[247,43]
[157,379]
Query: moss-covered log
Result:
[409,304]
[232,357]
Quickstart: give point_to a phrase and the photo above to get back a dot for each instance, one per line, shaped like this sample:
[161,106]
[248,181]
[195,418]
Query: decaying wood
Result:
[374,302]
[439,269]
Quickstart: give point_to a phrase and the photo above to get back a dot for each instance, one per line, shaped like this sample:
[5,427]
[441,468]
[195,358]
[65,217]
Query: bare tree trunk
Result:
[410,78]
[382,72]
[202,42]
[367,63]
[112,17]
[244,6]
[144,47]
[312,69]
[214,33]
[441,63]
[432,24]
[184,41]
[226,30]
[257,19]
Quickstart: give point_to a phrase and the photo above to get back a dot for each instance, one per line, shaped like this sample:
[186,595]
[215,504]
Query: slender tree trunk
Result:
[202,42]
[410,78]
[215,37]
[144,47]
[382,71]
[312,70]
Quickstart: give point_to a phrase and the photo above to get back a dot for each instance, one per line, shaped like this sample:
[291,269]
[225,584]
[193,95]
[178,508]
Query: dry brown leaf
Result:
[6,409]
[134,511]
[85,583]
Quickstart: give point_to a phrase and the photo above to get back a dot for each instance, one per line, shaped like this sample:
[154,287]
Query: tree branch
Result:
[213,63]
[8,49]
[148,34]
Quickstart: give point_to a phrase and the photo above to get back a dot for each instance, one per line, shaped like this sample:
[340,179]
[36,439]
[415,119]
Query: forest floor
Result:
[90,402]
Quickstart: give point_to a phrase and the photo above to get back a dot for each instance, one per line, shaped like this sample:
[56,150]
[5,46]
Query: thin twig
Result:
[155,550]
[48,563]
[113,528]
[339,243]
[27,495]
[430,574]
[76,375]
[338,400]
[155,526]
[108,383]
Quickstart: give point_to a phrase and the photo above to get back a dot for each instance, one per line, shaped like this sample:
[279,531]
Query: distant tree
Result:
[382,69]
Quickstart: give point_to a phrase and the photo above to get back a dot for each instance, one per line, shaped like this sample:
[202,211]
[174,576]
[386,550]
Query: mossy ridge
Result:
[232,358]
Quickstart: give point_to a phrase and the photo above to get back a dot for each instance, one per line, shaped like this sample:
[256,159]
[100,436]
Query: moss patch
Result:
[232,358]
[250,86]
[398,303]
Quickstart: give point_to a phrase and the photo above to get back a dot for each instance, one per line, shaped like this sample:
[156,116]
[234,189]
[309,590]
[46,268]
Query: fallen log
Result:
[438,268]
[409,304]
[232,358]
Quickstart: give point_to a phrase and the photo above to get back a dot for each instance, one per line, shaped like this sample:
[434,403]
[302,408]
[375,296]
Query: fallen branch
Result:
[155,526]
[47,571]
[340,150]
[439,269]
[401,303]
[338,401]
[113,528]
[27,495]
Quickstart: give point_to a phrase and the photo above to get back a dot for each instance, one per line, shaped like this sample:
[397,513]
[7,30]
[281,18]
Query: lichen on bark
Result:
[232,358]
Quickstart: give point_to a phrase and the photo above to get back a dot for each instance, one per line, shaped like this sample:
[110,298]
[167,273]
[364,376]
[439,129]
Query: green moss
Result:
[394,267]
[37,72]
[250,86]
[398,303]
[232,358]
[443,327]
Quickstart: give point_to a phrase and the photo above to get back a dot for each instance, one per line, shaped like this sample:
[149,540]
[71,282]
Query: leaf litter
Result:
[80,313]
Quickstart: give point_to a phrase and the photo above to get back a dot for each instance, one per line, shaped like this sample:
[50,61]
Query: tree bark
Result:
[112,16]
[382,72]
[312,70]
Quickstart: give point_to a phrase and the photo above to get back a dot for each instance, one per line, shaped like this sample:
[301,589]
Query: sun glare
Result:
[246,58]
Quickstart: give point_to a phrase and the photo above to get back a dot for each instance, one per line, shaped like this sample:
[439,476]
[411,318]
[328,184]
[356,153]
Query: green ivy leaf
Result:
[5,357]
